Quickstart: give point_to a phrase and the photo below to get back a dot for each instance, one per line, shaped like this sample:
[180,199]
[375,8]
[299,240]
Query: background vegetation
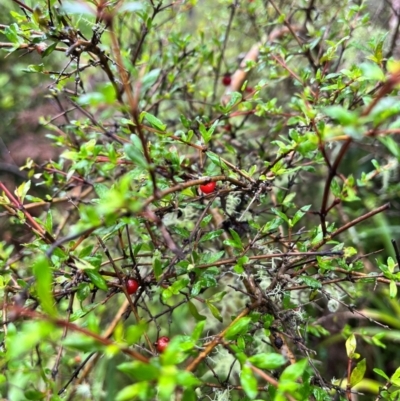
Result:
[278,284]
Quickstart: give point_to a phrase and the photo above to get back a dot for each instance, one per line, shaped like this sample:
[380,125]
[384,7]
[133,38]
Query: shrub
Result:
[272,284]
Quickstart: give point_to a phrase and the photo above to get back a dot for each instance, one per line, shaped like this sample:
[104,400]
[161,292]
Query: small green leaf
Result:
[28,336]
[215,159]
[81,342]
[391,264]
[249,382]
[311,282]
[280,214]
[211,235]
[194,312]
[392,289]
[239,327]
[139,370]
[44,280]
[351,345]
[100,189]
[174,288]
[236,238]
[22,190]
[129,393]
[157,267]
[342,115]
[299,214]
[358,372]
[217,297]
[134,332]
[97,279]
[395,375]
[235,98]
[151,77]
[214,310]
[381,373]
[267,361]
[372,71]
[293,372]
[153,121]
[48,225]
[198,330]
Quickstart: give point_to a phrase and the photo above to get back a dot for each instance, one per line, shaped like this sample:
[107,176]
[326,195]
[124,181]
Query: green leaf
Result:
[140,371]
[129,393]
[44,280]
[235,98]
[207,133]
[392,289]
[249,382]
[391,264]
[151,77]
[358,372]
[280,214]
[214,310]
[12,33]
[217,297]
[382,373]
[134,151]
[174,288]
[22,190]
[198,330]
[299,214]
[97,279]
[167,383]
[48,225]
[268,361]
[81,342]
[187,379]
[211,235]
[27,337]
[157,267]
[311,282]
[293,372]
[134,332]
[351,345]
[215,159]
[239,327]
[236,238]
[194,312]
[344,116]
[48,50]
[372,71]
[189,395]
[395,375]
[153,121]
[101,190]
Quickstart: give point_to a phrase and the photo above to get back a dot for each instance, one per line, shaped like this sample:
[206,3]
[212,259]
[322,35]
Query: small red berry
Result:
[208,188]
[40,47]
[228,127]
[161,344]
[131,286]
[249,89]
[226,80]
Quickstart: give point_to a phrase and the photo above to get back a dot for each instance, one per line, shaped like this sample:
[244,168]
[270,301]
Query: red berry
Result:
[249,89]
[208,188]
[226,79]
[131,286]
[161,344]
[40,47]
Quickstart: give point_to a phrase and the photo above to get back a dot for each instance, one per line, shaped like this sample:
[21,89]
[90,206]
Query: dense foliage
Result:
[220,219]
